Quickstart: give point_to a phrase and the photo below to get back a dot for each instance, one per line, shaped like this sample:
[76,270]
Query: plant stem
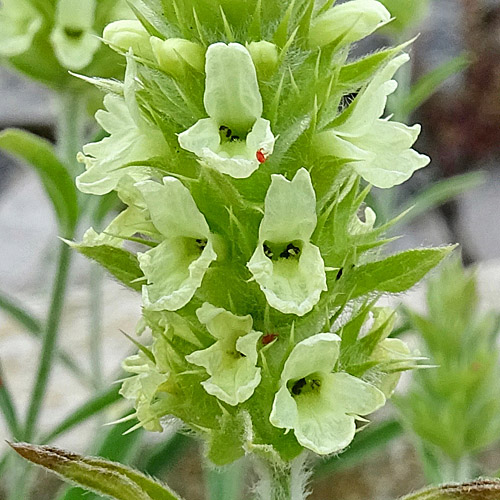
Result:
[70,129]
[49,341]
[283,481]
[95,309]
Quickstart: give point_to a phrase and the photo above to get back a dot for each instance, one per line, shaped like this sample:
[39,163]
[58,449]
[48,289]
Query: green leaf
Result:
[121,264]
[355,74]
[372,439]
[428,84]
[441,192]
[481,489]
[116,446]
[7,408]
[85,411]
[394,274]
[111,479]
[166,454]
[33,326]
[56,180]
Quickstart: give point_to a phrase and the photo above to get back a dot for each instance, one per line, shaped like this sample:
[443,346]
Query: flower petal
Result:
[204,134]
[231,361]
[232,97]
[391,168]
[19,22]
[352,394]
[290,209]
[292,283]
[105,160]
[172,208]
[370,103]
[73,39]
[290,286]
[321,428]
[318,353]
[175,268]
[221,323]
[348,22]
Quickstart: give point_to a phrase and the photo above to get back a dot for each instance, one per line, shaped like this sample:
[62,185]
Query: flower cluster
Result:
[46,38]
[240,162]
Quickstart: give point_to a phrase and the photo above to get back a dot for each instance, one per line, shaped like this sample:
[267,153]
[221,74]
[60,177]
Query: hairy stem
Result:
[284,481]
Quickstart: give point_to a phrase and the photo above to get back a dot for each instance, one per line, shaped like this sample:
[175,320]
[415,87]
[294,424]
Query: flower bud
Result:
[129,34]
[173,54]
[348,22]
[265,57]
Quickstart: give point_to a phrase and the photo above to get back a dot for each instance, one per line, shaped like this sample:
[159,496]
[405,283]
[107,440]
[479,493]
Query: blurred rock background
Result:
[461,125]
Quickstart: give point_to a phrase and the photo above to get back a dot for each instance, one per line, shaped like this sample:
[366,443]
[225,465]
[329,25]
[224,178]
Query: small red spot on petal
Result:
[261,156]
[268,338]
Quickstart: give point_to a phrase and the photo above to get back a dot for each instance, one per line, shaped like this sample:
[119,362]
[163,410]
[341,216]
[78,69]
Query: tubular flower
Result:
[379,150]
[231,361]
[19,23]
[132,139]
[348,22]
[73,38]
[235,139]
[287,266]
[320,406]
[175,268]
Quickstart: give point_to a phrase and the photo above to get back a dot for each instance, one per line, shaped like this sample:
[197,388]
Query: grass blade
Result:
[85,411]
[34,327]
[7,408]
[441,192]
[428,84]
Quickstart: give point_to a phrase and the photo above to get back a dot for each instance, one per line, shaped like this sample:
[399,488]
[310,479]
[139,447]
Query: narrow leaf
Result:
[481,489]
[17,312]
[166,454]
[7,407]
[429,83]
[111,479]
[33,326]
[394,274]
[441,192]
[115,446]
[121,264]
[56,180]
[86,410]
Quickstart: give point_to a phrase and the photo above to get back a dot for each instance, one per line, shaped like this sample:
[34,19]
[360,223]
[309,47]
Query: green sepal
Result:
[225,444]
[481,489]
[123,265]
[56,180]
[355,74]
[96,474]
[394,274]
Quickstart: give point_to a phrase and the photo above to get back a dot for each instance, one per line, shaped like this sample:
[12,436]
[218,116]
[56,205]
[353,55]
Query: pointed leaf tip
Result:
[110,479]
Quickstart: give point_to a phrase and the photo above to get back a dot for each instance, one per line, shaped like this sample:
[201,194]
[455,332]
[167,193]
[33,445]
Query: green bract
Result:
[232,360]
[235,134]
[321,406]
[287,266]
[378,149]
